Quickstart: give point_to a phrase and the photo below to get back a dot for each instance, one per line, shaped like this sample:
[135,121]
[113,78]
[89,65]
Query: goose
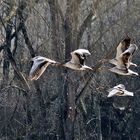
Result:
[124,61]
[40,64]
[77,61]
[119,90]
[123,45]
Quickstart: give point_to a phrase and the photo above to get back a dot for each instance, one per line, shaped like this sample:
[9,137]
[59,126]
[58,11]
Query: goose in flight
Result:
[119,90]
[123,45]
[124,61]
[39,66]
[77,61]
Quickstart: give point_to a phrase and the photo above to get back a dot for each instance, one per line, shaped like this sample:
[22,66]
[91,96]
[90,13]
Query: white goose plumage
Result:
[123,45]
[39,66]
[124,61]
[119,90]
[132,49]
[77,61]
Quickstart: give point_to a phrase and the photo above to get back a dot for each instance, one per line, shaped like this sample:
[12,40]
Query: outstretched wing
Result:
[82,51]
[126,56]
[38,69]
[42,59]
[123,45]
[128,93]
[112,92]
[132,49]
[79,56]
[39,66]
[123,60]
[120,86]
[75,58]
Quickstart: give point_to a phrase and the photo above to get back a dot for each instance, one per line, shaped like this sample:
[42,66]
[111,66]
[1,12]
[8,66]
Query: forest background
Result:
[65,104]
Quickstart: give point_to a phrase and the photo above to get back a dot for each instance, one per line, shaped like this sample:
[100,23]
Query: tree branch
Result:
[83,89]
[14,65]
[11,14]
[23,27]
[2,22]
[83,27]
[27,40]
[60,11]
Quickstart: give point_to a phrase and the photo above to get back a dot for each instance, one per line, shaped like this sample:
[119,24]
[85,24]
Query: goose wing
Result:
[37,70]
[123,60]
[120,86]
[79,56]
[39,66]
[39,59]
[126,56]
[128,93]
[75,58]
[132,49]
[82,51]
[123,45]
[112,92]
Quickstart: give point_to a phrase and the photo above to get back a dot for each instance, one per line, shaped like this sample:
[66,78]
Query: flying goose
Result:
[124,61]
[39,66]
[119,90]
[77,61]
[123,45]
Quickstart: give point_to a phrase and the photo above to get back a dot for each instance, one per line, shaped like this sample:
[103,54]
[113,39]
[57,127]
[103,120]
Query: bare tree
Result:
[65,104]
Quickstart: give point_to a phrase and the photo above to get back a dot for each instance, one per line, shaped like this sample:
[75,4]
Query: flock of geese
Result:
[122,62]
